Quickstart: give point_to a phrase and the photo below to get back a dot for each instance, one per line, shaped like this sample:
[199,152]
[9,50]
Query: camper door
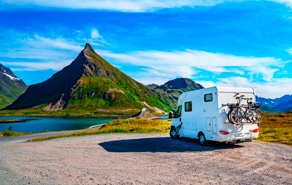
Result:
[187,118]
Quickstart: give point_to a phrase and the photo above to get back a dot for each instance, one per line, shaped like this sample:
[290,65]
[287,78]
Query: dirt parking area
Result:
[143,159]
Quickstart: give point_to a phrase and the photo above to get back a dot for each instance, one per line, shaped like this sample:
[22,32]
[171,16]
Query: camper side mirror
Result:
[170,115]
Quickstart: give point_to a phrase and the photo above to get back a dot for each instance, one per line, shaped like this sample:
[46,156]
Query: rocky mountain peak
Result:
[88,47]
[88,52]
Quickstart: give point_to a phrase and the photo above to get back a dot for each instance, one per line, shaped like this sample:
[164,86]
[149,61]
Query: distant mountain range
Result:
[11,87]
[282,104]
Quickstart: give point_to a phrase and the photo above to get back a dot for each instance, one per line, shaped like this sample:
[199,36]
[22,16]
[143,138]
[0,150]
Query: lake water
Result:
[52,124]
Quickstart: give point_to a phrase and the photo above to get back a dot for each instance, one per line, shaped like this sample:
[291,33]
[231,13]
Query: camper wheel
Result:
[202,139]
[173,133]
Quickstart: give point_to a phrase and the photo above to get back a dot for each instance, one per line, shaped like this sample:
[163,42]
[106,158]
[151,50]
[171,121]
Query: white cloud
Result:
[44,48]
[117,5]
[122,5]
[288,3]
[200,59]
[284,72]
[161,74]
[33,53]
[163,66]
[273,89]
[52,53]
[95,34]
[96,39]
[289,50]
[182,63]
[38,66]
[58,43]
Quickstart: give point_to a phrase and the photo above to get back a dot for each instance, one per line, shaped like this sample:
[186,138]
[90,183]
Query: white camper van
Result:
[202,114]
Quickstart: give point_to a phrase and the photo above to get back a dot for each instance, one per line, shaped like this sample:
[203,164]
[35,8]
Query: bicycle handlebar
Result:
[238,97]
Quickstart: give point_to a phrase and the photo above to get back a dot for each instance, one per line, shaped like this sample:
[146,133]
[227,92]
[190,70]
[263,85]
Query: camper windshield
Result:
[177,113]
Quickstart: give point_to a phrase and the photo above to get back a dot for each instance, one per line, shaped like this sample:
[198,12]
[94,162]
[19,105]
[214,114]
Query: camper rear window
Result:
[208,97]
[188,106]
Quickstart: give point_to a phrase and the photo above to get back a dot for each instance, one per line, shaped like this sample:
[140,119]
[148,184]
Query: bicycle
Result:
[239,113]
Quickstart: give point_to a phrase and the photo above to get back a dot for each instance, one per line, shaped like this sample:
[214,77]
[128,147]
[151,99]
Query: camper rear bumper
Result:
[236,137]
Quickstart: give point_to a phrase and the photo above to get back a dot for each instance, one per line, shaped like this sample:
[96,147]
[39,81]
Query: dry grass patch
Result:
[276,128]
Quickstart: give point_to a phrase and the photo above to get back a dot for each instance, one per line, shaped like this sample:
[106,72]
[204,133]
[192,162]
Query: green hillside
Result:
[100,92]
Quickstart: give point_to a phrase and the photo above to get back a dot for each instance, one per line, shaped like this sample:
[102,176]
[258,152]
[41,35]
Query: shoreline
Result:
[17,121]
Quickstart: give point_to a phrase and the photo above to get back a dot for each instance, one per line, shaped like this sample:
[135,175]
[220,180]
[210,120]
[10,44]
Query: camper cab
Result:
[202,114]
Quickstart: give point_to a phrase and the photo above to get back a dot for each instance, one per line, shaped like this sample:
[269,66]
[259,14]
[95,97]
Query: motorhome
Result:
[202,114]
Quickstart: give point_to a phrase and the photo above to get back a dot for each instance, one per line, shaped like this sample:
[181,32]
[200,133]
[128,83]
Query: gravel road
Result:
[143,159]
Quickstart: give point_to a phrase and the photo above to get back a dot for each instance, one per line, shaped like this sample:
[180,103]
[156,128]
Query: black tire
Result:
[173,133]
[202,140]
[236,116]
[259,116]
[229,116]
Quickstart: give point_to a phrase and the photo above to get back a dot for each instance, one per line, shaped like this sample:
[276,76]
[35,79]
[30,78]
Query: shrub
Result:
[8,132]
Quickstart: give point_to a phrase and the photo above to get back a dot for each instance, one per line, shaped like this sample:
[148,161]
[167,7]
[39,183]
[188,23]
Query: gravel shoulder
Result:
[142,159]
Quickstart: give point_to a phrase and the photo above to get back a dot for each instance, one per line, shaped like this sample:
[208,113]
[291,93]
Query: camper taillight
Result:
[223,132]
[255,130]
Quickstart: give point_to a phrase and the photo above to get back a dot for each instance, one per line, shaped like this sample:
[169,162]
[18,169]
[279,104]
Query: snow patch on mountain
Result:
[11,77]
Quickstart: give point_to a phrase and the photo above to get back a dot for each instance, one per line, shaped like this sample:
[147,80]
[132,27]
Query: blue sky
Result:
[214,42]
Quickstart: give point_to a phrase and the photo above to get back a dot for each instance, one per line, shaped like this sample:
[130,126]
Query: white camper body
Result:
[202,113]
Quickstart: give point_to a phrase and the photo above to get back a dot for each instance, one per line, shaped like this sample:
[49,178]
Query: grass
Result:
[121,126]
[276,128]
[9,133]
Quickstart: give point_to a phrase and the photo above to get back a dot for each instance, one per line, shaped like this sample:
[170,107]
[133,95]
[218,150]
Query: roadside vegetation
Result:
[8,133]
[121,126]
[276,128]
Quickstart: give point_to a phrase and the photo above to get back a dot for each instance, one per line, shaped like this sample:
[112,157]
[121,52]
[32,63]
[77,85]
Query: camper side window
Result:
[188,106]
[208,97]
[177,113]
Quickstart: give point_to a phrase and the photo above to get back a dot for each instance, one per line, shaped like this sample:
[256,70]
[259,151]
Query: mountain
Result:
[284,106]
[171,90]
[281,104]
[89,83]
[11,87]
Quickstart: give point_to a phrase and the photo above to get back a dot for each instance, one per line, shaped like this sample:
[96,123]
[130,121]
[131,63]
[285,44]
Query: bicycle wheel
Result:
[229,116]
[258,116]
[236,116]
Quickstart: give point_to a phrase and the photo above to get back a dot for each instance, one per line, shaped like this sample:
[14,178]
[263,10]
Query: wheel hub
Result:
[173,133]
[202,139]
